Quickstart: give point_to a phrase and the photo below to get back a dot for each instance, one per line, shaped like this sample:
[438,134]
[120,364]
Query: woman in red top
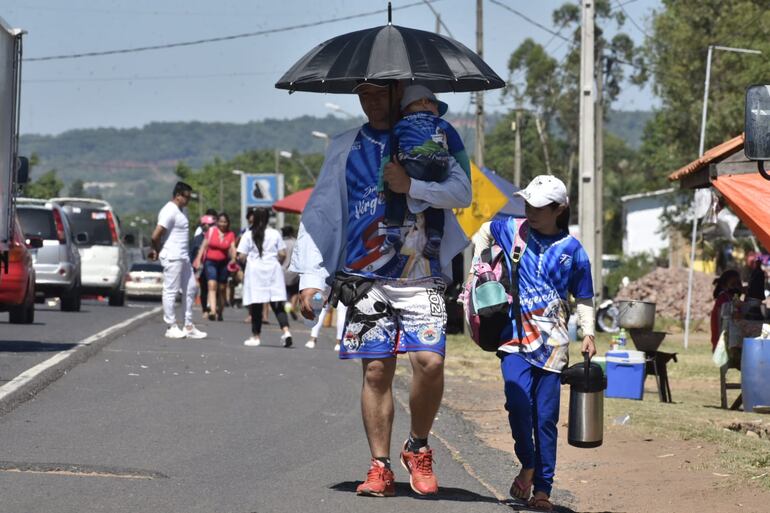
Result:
[217,250]
[725,288]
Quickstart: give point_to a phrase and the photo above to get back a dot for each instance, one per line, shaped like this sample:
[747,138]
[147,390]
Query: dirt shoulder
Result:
[644,465]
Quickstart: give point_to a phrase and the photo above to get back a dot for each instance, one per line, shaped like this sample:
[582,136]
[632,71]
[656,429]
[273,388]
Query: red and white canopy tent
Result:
[293,203]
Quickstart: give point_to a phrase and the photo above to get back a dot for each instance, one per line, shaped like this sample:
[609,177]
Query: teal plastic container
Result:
[755,373]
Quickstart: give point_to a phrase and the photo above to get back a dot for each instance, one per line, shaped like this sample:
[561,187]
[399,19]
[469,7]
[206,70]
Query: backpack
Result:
[493,291]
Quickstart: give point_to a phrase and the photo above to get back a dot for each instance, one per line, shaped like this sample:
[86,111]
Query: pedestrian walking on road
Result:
[263,250]
[395,296]
[205,222]
[170,243]
[342,312]
[534,347]
[214,255]
[290,277]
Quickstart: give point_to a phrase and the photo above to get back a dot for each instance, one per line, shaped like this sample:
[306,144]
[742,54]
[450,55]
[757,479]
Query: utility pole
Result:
[438,24]
[599,190]
[587,170]
[517,148]
[479,153]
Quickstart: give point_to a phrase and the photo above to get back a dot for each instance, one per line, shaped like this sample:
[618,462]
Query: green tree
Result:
[47,186]
[218,175]
[546,91]
[676,52]
[76,189]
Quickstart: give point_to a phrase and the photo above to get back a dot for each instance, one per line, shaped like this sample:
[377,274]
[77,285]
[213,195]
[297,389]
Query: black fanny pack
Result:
[348,289]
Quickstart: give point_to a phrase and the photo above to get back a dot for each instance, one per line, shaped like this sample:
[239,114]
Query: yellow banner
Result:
[487,201]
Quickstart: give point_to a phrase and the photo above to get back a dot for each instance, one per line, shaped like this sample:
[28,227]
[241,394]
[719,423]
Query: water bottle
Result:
[486,276]
[622,339]
[317,303]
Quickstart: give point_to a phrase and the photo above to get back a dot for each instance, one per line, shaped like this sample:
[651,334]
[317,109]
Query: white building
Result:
[643,230]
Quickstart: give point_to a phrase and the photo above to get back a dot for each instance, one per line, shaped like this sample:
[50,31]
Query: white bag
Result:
[720,352]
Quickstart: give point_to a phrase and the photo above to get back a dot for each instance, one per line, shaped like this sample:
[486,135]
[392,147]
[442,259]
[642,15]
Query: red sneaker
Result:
[379,481]
[420,467]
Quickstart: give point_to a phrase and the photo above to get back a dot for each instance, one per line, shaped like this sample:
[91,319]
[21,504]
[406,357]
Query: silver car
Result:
[57,262]
[102,253]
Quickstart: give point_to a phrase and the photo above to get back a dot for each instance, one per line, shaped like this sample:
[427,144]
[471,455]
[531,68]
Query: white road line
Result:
[30,374]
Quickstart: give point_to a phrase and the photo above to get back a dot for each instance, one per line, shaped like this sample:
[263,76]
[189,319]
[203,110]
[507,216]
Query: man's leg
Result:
[377,404]
[422,317]
[377,413]
[172,270]
[189,290]
[426,392]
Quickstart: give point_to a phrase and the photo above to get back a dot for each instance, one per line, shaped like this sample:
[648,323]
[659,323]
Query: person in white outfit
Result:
[342,312]
[170,243]
[263,250]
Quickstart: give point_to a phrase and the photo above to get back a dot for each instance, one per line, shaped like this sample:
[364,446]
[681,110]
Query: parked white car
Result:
[103,258]
[145,280]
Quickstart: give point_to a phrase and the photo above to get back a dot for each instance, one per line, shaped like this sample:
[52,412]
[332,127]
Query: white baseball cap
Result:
[544,190]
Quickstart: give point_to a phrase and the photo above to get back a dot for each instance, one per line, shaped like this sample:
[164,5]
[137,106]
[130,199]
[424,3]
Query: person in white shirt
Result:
[172,234]
[263,250]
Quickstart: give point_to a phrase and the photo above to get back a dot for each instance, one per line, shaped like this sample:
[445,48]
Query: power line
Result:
[215,39]
[121,12]
[528,19]
[633,21]
[146,77]
[437,15]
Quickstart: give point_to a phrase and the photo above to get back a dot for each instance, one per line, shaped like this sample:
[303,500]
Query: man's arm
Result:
[306,259]
[454,192]
[155,239]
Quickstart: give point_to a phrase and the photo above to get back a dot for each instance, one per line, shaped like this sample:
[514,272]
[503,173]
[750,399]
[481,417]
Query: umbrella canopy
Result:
[293,203]
[390,53]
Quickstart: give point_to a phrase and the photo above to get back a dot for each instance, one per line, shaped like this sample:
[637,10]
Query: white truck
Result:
[13,170]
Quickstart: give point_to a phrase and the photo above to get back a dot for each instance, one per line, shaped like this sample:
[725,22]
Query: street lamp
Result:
[701,149]
[290,155]
[321,135]
[242,174]
[278,154]
[337,108]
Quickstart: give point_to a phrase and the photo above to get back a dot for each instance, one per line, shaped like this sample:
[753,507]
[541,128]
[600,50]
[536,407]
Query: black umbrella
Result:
[390,53]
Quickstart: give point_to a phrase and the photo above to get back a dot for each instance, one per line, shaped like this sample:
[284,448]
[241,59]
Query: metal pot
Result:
[636,314]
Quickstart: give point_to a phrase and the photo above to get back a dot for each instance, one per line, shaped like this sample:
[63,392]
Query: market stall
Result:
[734,179]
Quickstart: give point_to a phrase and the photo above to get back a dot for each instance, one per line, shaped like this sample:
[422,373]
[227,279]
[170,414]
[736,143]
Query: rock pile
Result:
[667,288]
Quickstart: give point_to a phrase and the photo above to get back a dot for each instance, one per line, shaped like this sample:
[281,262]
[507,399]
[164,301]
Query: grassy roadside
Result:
[694,415]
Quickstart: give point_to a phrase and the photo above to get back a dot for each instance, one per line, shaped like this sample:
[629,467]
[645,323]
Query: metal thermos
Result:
[586,403]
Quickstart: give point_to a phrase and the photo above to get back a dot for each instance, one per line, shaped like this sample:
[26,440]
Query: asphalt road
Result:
[148,424]
[24,345]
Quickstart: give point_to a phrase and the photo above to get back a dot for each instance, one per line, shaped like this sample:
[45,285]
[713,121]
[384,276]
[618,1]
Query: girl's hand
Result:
[588,346]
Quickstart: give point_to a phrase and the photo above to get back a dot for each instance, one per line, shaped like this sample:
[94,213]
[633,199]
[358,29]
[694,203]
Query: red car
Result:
[17,283]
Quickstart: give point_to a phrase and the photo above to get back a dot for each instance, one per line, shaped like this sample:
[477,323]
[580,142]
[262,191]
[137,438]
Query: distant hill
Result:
[135,166]
[628,125]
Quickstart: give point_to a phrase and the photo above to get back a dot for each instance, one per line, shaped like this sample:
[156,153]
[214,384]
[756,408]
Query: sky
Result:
[233,81]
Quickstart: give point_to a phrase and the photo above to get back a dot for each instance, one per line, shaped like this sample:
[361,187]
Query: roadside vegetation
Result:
[694,415]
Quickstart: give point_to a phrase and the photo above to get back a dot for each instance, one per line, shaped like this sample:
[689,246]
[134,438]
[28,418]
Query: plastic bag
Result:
[720,352]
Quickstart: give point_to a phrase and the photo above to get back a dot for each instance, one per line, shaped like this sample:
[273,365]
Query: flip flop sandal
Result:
[540,504]
[520,489]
